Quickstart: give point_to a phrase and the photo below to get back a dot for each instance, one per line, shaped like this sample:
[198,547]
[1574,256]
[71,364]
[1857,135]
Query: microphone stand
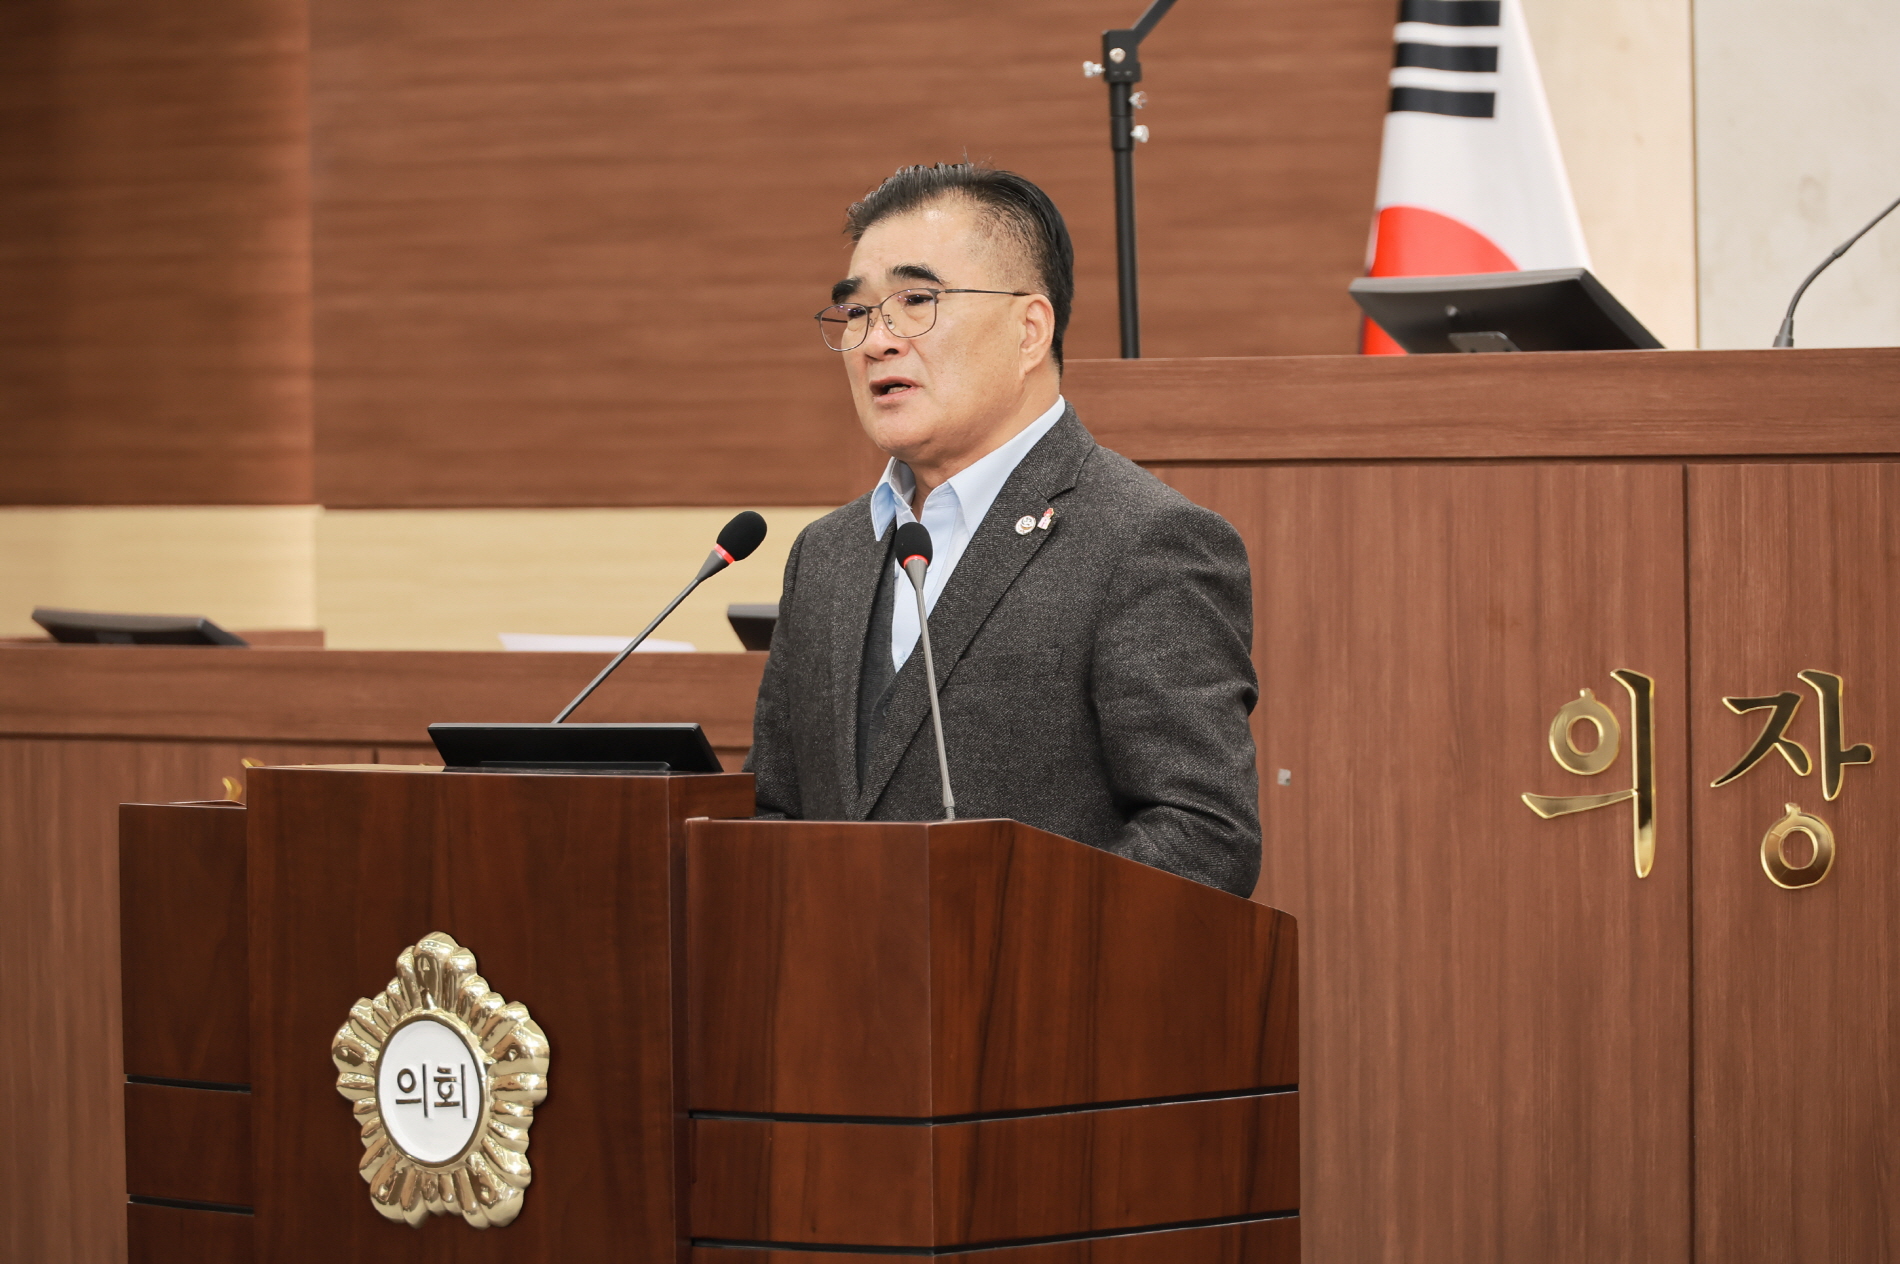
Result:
[1784,337]
[1121,68]
[716,561]
[915,568]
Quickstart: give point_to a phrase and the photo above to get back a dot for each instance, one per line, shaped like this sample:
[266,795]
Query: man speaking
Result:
[1090,626]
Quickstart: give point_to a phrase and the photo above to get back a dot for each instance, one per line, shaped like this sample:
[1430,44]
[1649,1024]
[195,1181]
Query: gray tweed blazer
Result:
[1095,676]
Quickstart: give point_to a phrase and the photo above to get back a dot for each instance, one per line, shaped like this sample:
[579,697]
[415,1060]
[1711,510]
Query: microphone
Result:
[913,553]
[1785,336]
[737,540]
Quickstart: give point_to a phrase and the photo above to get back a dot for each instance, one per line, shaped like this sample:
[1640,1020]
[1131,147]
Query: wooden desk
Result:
[1516,1048]
[83,728]
[1504,1040]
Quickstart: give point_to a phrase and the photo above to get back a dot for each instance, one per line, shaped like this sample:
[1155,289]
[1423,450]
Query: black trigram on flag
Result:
[1451,40]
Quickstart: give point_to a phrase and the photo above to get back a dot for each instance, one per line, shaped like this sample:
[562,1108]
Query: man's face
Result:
[938,400]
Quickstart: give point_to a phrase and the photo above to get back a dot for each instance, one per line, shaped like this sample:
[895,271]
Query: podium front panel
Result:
[940,1038]
[562,886]
[938,970]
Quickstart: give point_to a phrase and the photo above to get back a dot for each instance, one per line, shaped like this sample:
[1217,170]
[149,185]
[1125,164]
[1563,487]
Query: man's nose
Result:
[879,341]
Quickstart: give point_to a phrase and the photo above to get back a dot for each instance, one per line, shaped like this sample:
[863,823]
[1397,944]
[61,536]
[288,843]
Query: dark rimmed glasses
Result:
[909,314]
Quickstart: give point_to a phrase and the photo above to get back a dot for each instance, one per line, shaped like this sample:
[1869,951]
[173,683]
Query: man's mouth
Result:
[887,387]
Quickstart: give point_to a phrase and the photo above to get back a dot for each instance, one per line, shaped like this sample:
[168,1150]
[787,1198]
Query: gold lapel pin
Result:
[1048,516]
[1025,524]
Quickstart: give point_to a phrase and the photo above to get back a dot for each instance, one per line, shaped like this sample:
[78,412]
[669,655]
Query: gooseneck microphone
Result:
[737,540]
[913,552]
[1785,336]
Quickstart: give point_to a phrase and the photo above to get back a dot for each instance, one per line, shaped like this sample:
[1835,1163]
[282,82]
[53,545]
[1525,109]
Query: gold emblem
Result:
[445,1075]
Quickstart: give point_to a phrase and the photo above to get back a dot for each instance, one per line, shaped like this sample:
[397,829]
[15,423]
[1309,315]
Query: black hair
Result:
[1008,201]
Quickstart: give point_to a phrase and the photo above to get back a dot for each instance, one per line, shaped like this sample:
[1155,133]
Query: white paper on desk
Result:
[545,642]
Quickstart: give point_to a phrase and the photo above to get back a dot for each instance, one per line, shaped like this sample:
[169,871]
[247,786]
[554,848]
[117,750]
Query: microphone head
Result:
[738,538]
[913,540]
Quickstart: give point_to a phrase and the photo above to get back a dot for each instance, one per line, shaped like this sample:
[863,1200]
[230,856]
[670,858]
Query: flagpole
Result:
[1121,67]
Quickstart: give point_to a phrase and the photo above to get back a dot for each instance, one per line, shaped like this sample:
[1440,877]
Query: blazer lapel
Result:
[857,578]
[996,555]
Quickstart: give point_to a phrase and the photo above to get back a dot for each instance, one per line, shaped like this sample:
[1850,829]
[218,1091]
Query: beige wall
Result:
[1617,73]
[244,567]
[1718,149]
[395,579]
[1798,145]
[454,579]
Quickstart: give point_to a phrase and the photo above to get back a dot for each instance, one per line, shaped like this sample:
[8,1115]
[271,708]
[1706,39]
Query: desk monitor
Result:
[1556,309]
[754,623]
[603,748]
[92,627]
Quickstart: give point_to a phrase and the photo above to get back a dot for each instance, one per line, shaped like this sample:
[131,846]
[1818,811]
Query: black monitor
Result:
[1555,309]
[597,748]
[92,627]
[754,623]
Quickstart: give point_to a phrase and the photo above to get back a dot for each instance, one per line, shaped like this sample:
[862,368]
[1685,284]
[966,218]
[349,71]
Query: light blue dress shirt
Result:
[952,514]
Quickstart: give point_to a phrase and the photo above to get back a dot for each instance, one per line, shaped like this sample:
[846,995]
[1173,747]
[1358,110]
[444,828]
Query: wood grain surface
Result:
[1496,1058]
[184,948]
[569,254]
[173,1235]
[562,887]
[1260,1242]
[154,248]
[1455,407]
[935,970]
[85,728]
[1797,1001]
[357,696]
[59,969]
[188,1143]
[994,1180]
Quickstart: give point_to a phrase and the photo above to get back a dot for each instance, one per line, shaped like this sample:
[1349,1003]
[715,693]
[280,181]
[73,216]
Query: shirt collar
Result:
[974,488]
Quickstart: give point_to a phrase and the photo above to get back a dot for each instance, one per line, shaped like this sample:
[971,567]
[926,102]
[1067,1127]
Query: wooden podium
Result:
[780,1041]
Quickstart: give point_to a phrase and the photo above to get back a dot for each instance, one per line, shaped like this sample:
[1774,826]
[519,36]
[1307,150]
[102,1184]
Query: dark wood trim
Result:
[365,696]
[1275,1241]
[184,948]
[997,1180]
[177,1235]
[189,1144]
[1591,405]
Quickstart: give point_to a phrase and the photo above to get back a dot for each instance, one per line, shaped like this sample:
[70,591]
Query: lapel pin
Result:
[1025,524]
[1048,516]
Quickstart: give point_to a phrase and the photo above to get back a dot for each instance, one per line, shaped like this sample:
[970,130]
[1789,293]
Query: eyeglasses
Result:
[845,326]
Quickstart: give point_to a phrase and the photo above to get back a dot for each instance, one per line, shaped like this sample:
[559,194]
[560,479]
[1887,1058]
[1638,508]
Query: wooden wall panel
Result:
[1797,1003]
[1494,1007]
[59,969]
[566,254]
[154,216]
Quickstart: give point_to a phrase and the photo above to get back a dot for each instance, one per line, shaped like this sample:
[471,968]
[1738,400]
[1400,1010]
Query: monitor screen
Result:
[93,627]
[604,748]
[1556,309]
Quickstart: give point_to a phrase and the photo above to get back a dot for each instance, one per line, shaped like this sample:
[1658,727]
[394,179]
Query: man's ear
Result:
[1039,329]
